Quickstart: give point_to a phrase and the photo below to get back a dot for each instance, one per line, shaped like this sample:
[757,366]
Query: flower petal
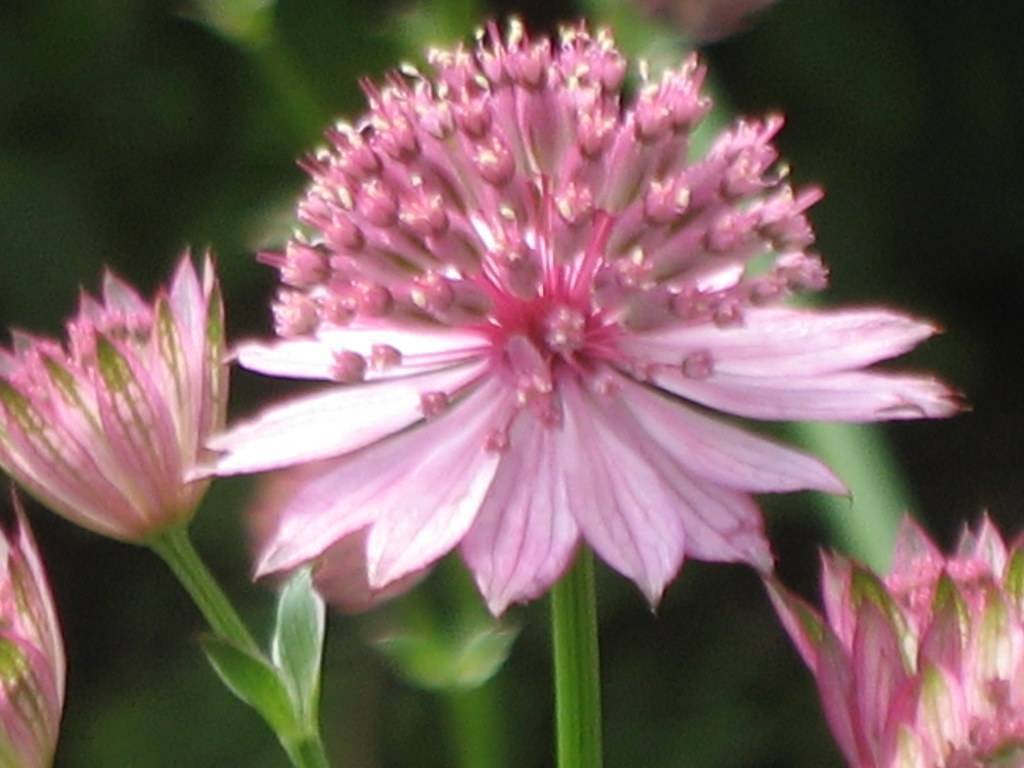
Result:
[411,475]
[721,453]
[623,506]
[420,349]
[524,536]
[426,515]
[331,423]
[719,524]
[778,341]
[855,396]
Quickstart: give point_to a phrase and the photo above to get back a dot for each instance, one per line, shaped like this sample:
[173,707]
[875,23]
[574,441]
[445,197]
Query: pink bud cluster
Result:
[924,668]
[105,428]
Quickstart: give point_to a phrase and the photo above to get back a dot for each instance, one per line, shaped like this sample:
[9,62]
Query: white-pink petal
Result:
[731,457]
[624,508]
[524,535]
[333,422]
[447,479]
[779,341]
[412,472]
[719,524]
[848,396]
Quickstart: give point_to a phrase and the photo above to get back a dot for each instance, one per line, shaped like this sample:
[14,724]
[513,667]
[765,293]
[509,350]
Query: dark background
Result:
[129,130]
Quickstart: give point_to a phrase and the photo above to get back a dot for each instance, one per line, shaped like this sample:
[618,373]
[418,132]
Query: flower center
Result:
[565,329]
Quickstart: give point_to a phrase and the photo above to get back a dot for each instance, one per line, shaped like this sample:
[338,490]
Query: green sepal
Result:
[168,340]
[1014,581]
[297,646]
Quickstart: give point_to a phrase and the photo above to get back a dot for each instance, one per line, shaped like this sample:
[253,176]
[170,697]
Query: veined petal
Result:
[524,535]
[852,396]
[621,504]
[56,467]
[722,453]
[138,425]
[879,671]
[425,516]
[409,471]
[334,422]
[720,524]
[779,341]
[835,687]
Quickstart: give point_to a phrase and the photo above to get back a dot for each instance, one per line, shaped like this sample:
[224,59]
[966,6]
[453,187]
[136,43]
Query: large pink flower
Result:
[31,654]
[924,669]
[528,294]
[103,429]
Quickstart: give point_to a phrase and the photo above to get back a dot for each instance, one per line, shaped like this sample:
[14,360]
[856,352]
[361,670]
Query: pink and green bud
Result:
[924,668]
[31,654]
[105,428]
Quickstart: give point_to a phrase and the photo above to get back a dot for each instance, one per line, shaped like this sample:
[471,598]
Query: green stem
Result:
[577,669]
[307,753]
[175,548]
[474,716]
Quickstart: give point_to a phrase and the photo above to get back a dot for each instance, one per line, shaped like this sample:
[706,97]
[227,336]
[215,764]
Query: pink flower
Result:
[32,660]
[924,669]
[104,428]
[529,294]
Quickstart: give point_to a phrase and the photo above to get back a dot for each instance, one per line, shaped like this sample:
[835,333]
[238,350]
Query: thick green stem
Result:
[175,547]
[475,720]
[577,668]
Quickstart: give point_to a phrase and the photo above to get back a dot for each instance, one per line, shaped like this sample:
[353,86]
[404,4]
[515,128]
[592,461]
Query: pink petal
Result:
[336,421]
[801,622]
[426,515]
[721,453]
[623,506]
[188,302]
[524,536]
[120,296]
[60,467]
[836,575]
[411,473]
[420,349]
[856,396]
[340,576]
[779,341]
[878,667]
[986,544]
[835,684]
[719,524]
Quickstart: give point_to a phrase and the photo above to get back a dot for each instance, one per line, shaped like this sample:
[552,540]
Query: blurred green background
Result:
[130,129]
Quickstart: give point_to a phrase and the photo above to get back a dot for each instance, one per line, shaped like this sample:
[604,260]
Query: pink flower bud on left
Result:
[105,428]
[31,654]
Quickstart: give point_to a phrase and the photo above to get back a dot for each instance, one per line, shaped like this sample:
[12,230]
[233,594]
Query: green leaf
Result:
[255,681]
[298,641]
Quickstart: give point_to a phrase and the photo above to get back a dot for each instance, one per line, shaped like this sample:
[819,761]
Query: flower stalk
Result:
[577,668]
[175,548]
[299,734]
